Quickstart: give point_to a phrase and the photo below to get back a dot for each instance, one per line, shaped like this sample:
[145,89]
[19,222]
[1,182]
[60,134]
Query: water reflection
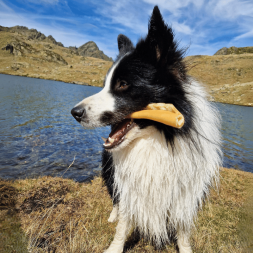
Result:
[40,137]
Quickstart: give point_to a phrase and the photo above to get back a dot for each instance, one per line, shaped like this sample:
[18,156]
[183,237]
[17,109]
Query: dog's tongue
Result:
[117,133]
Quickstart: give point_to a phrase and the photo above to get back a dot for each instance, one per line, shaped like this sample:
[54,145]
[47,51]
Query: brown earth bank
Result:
[59,215]
[228,75]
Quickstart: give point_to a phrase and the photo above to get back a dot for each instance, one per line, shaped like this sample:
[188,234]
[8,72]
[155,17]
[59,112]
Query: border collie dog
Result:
[156,175]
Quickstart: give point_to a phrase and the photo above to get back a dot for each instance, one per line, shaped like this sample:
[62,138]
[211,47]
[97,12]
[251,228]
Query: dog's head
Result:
[151,72]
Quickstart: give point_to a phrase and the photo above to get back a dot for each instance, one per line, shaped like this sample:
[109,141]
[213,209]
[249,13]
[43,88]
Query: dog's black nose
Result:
[78,113]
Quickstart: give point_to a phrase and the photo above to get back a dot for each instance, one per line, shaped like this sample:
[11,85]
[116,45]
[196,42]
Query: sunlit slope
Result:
[228,78]
[44,59]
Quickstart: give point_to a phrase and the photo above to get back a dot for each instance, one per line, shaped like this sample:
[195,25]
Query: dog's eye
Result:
[121,85]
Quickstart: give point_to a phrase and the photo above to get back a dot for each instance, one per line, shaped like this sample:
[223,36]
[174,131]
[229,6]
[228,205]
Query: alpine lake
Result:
[40,137]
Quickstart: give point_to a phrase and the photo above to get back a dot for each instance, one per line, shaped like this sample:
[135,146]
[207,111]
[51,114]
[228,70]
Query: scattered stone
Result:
[17,65]
[53,57]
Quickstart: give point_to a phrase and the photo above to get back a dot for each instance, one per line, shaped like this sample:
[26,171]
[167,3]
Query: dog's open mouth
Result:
[118,133]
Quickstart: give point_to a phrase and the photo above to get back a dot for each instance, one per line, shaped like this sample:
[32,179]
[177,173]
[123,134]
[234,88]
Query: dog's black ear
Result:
[161,38]
[125,44]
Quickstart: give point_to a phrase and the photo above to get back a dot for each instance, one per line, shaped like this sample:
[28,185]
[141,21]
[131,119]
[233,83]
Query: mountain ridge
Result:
[91,49]
[27,52]
[234,50]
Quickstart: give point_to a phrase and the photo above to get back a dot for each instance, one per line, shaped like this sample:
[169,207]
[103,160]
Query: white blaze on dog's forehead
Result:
[105,97]
[108,78]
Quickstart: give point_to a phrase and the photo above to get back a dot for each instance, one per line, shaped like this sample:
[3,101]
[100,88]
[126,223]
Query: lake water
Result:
[40,137]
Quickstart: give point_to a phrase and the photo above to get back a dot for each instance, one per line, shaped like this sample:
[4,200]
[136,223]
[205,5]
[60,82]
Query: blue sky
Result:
[202,25]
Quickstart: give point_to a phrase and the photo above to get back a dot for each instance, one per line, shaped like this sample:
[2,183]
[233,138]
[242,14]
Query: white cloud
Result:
[231,9]
[244,35]
[4,8]
[182,28]
[128,13]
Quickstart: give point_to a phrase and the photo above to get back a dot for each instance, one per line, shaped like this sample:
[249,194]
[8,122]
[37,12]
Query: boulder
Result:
[8,47]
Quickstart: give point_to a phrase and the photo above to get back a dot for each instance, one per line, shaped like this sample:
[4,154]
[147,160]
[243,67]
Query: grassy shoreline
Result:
[59,215]
[101,85]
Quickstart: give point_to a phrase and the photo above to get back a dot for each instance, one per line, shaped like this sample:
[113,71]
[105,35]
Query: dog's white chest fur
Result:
[139,179]
[160,186]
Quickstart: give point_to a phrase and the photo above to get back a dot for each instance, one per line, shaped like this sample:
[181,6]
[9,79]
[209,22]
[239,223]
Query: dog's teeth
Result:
[111,140]
[104,139]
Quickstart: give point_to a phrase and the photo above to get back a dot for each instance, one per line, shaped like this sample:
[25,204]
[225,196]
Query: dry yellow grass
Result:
[60,215]
[228,78]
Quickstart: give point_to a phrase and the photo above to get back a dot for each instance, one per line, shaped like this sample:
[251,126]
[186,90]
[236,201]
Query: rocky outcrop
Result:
[234,50]
[74,50]
[21,48]
[52,57]
[91,49]
[35,35]
[31,34]
[51,39]
[8,47]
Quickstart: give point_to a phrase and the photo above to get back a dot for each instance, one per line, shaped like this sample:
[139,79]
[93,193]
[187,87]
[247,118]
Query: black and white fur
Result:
[159,175]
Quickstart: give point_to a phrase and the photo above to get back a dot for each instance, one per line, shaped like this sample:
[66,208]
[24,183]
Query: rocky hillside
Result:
[27,52]
[234,50]
[228,78]
[89,49]
[30,34]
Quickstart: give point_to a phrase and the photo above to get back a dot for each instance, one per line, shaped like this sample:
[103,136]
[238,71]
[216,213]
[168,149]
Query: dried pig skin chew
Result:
[160,112]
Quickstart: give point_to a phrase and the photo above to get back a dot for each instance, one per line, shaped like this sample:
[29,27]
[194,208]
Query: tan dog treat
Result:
[160,112]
